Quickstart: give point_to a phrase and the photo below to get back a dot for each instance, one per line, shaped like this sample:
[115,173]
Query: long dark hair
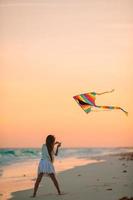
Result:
[50,145]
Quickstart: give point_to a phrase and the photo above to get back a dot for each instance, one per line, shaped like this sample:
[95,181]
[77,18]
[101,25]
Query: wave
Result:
[8,156]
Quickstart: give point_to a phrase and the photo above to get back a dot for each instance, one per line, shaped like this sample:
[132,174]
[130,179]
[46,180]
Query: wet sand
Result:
[21,176]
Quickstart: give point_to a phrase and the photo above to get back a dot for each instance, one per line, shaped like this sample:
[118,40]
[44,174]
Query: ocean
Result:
[14,155]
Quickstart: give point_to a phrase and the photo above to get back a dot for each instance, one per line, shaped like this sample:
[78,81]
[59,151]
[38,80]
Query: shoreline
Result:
[24,187]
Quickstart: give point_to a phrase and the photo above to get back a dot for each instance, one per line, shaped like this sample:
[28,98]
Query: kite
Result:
[87,102]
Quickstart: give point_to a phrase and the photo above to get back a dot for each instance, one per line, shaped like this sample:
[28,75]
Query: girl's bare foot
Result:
[61,193]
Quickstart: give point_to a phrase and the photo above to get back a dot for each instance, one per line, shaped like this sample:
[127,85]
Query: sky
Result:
[53,50]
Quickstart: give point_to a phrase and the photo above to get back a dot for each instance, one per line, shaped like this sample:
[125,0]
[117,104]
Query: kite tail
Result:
[113,107]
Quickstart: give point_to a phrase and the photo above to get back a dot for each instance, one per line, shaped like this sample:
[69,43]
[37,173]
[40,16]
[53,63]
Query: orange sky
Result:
[53,50]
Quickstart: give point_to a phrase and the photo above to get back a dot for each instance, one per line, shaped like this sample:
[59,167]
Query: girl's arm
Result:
[105,92]
[56,152]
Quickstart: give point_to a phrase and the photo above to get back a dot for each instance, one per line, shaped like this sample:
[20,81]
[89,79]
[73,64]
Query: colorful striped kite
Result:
[87,102]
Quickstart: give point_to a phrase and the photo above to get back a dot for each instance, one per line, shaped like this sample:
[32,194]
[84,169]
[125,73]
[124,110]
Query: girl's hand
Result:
[56,142]
[59,145]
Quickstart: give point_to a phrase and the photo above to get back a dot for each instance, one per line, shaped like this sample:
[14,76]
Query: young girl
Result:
[46,163]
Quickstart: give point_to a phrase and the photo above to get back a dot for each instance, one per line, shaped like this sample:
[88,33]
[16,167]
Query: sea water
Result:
[15,155]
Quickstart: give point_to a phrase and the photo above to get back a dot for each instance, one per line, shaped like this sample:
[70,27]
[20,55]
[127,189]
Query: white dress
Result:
[45,164]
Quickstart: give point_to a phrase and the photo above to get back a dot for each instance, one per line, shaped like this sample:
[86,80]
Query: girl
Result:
[46,163]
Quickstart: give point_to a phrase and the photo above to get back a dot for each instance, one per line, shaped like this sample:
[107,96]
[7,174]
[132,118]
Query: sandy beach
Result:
[109,179]
[21,175]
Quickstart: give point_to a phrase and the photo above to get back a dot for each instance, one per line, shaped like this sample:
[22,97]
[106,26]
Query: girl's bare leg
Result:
[52,176]
[38,180]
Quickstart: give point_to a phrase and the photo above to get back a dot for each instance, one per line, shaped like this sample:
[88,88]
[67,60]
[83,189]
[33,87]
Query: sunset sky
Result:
[52,50]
